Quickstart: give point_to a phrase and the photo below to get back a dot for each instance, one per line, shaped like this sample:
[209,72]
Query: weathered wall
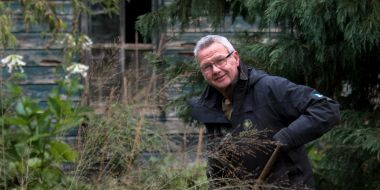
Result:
[32,43]
[106,72]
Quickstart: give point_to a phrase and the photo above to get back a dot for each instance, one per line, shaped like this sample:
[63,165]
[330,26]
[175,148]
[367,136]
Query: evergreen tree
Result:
[332,46]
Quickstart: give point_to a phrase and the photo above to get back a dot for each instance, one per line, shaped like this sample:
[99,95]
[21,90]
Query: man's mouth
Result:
[219,78]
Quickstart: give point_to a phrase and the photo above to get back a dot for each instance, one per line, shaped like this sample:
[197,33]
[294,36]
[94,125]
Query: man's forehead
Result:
[214,46]
[212,52]
[214,57]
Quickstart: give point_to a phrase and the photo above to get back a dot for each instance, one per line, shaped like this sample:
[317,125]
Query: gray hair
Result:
[206,41]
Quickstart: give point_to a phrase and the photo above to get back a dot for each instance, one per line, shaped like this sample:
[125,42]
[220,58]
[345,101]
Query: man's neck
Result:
[227,93]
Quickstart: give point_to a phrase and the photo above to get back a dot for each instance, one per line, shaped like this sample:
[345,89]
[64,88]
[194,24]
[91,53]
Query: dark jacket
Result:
[273,109]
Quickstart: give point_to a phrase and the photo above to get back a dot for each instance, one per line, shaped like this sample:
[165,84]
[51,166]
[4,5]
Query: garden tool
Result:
[267,168]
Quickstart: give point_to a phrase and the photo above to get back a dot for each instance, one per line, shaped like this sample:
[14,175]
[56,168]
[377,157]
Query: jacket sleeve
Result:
[309,113]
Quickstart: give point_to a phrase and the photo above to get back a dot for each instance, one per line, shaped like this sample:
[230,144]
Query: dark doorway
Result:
[133,9]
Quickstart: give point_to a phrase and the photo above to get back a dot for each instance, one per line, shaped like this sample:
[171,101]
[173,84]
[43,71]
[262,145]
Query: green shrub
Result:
[32,152]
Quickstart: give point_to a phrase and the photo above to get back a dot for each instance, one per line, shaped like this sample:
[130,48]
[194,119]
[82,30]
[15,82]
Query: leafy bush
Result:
[351,155]
[32,153]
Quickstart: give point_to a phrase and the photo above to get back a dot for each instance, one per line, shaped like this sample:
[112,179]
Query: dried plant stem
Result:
[109,101]
[103,159]
[136,142]
[125,88]
[199,145]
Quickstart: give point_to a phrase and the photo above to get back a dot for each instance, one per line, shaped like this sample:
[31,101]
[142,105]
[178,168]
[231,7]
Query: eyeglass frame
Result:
[219,64]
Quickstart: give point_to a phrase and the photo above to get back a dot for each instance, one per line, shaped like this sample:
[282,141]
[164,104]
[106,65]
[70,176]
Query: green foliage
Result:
[35,12]
[153,23]
[351,157]
[182,12]
[32,153]
[7,39]
[250,10]
[323,43]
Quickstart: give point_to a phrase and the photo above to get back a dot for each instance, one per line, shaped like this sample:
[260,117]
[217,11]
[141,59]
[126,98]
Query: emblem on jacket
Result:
[320,96]
[247,124]
[248,129]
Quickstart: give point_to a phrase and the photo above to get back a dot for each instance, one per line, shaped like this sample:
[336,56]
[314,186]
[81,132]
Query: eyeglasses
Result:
[206,68]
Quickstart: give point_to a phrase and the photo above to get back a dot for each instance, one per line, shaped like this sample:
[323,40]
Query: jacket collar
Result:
[243,71]
[241,87]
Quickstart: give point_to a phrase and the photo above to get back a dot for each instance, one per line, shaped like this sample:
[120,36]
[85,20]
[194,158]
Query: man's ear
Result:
[235,55]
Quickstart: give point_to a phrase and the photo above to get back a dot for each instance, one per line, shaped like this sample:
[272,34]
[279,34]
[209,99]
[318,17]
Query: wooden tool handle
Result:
[267,168]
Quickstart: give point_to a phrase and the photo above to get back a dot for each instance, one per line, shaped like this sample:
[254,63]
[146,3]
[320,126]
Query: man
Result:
[247,113]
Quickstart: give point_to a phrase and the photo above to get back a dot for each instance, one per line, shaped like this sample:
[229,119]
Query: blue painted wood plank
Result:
[63,7]
[40,92]
[20,27]
[39,75]
[37,41]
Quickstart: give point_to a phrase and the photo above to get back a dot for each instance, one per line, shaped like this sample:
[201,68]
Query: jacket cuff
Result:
[283,137]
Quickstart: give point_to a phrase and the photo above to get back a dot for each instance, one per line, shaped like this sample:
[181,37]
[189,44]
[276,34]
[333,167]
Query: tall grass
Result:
[122,146]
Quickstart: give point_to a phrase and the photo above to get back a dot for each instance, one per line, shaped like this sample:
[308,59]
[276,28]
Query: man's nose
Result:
[215,68]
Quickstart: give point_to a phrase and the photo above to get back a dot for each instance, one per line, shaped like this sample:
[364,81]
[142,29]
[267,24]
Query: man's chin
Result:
[220,87]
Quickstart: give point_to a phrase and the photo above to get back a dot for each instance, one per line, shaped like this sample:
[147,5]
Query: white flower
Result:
[77,68]
[13,61]
[268,41]
[346,89]
[265,40]
[69,40]
[87,43]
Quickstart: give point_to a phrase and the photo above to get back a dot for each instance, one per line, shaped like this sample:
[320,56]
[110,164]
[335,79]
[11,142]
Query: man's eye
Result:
[206,67]
[219,62]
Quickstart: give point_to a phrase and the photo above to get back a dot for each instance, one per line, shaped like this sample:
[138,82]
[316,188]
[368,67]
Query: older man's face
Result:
[219,68]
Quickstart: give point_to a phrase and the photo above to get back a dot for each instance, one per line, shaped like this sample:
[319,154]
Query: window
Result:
[133,9]
[117,67]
